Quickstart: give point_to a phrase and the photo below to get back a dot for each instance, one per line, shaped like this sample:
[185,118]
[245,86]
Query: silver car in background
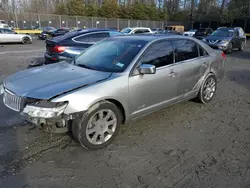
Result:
[9,36]
[113,82]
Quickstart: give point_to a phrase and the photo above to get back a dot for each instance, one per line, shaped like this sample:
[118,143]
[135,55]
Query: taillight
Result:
[223,55]
[58,49]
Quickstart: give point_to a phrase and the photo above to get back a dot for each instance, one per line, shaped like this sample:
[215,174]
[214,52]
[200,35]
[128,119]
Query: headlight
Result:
[1,89]
[204,40]
[45,109]
[224,41]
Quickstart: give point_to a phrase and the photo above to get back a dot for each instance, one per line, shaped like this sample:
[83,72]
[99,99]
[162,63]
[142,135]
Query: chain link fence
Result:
[26,20]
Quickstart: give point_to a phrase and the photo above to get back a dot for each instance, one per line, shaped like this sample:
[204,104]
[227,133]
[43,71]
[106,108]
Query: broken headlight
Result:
[45,109]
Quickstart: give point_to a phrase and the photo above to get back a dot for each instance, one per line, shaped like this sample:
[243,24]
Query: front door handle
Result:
[172,74]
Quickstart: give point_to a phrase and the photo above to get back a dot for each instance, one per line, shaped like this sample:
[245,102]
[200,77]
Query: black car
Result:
[58,32]
[167,31]
[71,44]
[45,32]
[227,39]
[202,33]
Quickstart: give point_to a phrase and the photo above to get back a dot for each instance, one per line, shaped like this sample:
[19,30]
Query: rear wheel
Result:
[26,40]
[98,126]
[207,90]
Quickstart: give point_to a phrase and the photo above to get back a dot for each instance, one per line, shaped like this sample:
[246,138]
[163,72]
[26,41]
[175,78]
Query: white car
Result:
[190,33]
[136,30]
[9,36]
[3,24]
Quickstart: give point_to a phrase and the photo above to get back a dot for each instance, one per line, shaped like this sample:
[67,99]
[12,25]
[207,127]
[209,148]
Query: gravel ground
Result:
[188,145]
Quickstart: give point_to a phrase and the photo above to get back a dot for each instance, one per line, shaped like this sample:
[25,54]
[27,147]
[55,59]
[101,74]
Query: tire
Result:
[229,48]
[90,138]
[26,40]
[242,45]
[204,88]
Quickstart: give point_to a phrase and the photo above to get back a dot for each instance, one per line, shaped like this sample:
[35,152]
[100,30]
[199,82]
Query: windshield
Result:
[111,55]
[192,30]
[126,30]
[225,33]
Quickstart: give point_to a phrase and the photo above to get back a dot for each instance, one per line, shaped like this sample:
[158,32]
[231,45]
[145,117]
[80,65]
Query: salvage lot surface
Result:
[187,145]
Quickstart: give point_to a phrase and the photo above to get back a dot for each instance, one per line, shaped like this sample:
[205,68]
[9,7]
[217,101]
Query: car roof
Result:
[138,28]
[152,37]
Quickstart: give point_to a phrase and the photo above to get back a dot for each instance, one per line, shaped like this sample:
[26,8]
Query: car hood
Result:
[49,81]
[211,37]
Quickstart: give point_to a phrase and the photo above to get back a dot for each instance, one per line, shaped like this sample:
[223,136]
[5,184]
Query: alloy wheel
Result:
[101,126]
[209,88]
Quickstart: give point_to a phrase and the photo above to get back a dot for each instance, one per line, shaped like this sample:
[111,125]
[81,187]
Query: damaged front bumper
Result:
[60,124]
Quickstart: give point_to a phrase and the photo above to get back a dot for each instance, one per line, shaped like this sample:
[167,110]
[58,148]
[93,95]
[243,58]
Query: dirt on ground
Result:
[188,145]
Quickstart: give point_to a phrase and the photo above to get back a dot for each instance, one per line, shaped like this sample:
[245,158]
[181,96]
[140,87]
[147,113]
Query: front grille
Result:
[13,101]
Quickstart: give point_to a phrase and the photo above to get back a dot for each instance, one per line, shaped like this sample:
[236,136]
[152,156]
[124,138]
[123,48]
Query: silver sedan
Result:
[113,82]
[9,36]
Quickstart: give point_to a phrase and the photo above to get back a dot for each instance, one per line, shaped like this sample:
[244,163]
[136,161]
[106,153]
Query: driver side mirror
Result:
[147,69]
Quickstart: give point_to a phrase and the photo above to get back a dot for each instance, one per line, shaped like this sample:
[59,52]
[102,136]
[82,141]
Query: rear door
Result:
[191,65]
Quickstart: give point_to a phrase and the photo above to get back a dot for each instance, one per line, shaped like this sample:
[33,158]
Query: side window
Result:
[202,51]
[145,31]
[185,50]
[159,54]
[137,31]
[1,31]
[84,38]
[114,33]
[6,31]
[96,37]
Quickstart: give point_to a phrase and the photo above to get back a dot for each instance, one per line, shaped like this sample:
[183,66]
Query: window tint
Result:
[159,54]
[95,37]
[114,33]
[185,49]
[202,51]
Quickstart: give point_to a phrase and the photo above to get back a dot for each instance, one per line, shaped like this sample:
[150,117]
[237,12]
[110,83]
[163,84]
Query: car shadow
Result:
[241,77]
[245,55]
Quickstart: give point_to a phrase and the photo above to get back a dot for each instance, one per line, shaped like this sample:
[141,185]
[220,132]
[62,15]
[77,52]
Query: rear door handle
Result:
[204,64]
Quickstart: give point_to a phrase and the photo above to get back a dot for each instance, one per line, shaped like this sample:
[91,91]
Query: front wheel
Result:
[98,126]
[229,48]
[242,45]
[207,90]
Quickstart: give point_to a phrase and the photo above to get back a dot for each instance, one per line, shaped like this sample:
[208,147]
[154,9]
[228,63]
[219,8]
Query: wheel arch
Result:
[120,107]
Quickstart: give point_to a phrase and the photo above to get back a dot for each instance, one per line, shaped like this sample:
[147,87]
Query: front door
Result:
[150,92]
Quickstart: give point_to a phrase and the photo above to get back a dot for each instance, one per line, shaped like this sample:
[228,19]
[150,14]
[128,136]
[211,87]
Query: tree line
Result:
[223,11]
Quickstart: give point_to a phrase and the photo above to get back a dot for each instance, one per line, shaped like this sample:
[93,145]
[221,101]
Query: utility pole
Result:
[192,13]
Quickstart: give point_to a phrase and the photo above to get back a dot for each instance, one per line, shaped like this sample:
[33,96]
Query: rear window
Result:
[185,50]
